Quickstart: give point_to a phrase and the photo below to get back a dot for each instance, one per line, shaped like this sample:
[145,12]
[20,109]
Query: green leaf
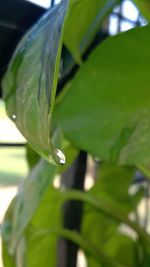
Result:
[144,6]
[8,258]
[119,244]
[96,205]
[30,251]
[29,85]
[97,255]
[84,21]
[40,236]
[71,153]
[105,109]
[28,199]
[108,209]
[112,186]
[43,250]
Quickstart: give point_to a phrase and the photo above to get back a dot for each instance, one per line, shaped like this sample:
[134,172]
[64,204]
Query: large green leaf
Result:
[84,21]
[30,82]
[106,107]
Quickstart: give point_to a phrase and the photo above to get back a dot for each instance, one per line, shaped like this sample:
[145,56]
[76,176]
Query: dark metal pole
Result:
[73,178]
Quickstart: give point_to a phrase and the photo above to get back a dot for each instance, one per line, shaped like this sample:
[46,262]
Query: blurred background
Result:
[16,17]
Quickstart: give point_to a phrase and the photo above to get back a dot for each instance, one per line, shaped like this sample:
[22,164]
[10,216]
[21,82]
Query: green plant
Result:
[103,110]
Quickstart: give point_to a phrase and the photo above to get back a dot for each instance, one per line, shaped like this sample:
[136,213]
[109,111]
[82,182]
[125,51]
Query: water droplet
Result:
[13,116]
[61,157]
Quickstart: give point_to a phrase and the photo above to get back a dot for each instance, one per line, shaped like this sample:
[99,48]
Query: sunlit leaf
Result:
[106,107]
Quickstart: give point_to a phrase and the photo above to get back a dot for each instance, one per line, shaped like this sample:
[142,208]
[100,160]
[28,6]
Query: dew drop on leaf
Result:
[61,157]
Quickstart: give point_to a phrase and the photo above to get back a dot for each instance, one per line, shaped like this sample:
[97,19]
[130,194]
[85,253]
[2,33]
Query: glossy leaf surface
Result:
[30,82]
[106,108]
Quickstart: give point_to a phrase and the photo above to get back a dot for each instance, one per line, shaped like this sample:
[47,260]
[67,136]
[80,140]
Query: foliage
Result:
[103,109]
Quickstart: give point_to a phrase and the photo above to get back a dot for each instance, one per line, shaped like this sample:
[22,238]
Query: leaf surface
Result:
[29,85]
[101,230]
[28,199]
[106,107]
